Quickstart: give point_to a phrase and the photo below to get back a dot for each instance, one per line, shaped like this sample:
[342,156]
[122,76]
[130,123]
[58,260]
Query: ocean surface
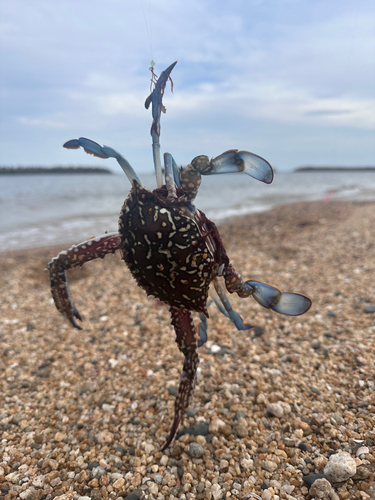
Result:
[49,209]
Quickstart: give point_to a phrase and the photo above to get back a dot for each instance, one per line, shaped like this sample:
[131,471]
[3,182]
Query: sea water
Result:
[49,209]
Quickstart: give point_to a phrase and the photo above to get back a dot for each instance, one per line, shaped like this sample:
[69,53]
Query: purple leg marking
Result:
[75,256]
[186,338]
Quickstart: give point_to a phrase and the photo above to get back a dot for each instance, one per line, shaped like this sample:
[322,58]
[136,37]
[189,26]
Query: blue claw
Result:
[104,152]
[241,161]
[72,144]
[266,295]
[290,304]
[202,330]
[91,147]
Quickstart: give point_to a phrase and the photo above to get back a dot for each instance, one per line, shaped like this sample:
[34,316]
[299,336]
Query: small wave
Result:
[43,213]
[221,215]
[60,233]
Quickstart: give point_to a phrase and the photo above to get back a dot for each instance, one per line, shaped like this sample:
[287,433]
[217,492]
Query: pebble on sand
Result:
[195,450]
[322,489]
[275,409]
[340,467]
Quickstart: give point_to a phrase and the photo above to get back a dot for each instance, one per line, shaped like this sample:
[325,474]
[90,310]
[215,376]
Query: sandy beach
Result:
[84,414]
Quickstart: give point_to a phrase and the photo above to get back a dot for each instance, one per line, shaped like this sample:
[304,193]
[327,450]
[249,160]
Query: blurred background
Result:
[290,80]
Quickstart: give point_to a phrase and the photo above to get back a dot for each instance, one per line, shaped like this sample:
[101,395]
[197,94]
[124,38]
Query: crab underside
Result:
[172,249]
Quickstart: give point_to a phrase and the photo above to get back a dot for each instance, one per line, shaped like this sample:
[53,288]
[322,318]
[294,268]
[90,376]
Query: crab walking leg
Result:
[186,339]
[228,310]
[216,299]
[203,325]
[169,176]
[176,171]
[75,256]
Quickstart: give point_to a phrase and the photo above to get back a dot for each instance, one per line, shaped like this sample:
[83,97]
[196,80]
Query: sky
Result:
[290,80]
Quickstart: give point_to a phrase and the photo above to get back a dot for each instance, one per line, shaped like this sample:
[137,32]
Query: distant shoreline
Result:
[334,169]
[107,171]
[53,170]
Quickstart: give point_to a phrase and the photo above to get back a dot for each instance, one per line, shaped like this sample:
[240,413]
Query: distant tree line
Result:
[54,170]
[334,169]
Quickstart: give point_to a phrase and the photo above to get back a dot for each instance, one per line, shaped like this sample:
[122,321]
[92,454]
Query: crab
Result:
[172,249]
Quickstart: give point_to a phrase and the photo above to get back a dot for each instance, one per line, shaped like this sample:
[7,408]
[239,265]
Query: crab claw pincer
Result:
[241,161]
[290,304]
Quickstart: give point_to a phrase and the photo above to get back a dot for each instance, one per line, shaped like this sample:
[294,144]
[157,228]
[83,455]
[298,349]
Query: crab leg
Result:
[155,98]
[169,176]
[75,256]
[221,301]
[95,149]
[176,172]
[186,339]
[217,302]
[203,325]
[232,315]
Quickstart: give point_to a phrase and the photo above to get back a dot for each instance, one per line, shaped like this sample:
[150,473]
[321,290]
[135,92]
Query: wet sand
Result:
[84,414]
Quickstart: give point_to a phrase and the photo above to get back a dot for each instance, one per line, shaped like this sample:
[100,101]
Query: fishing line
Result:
[148,24]
[149,31]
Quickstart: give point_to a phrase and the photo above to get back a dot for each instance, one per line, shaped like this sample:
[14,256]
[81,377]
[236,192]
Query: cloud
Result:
[41,122]
[246,68]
